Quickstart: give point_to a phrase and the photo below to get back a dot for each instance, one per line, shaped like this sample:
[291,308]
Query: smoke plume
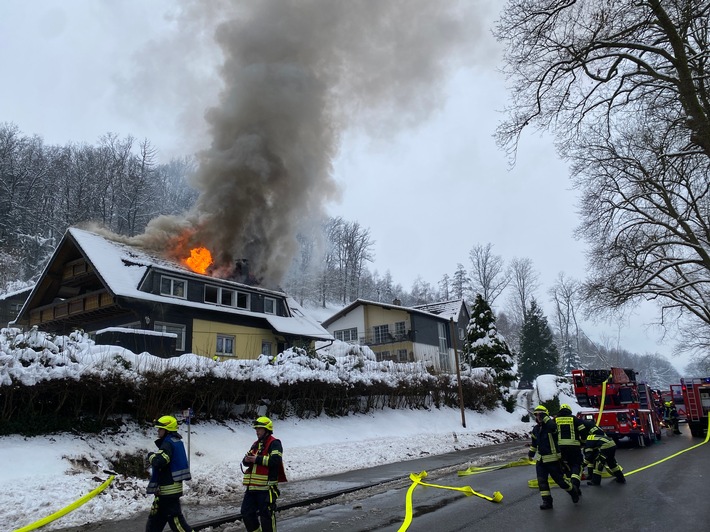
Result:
[295,75]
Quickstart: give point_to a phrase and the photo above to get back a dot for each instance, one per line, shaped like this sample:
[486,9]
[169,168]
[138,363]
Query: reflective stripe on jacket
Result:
[544,441]
[268,469]
[569,430]
[169,466]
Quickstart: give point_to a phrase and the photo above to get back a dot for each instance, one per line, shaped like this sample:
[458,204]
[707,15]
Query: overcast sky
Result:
[75,70]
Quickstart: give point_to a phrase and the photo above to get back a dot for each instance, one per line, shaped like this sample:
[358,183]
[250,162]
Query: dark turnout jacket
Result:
[544,441]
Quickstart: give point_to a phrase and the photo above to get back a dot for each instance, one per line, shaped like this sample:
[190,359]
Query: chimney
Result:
[241,271]
[397,302]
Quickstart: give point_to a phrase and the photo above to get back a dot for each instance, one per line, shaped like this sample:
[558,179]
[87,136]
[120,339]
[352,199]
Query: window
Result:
[346,335]
[225,345]
[269,305]
[169,286]
[400,330]
[266,348]
[443,348]
[385,355]
[211,294]
[243,300]
[402,355]
[226,297]
[382,333]
[462,334]
[174,328]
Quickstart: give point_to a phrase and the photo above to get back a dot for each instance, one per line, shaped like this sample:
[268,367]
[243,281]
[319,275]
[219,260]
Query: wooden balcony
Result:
[74,307]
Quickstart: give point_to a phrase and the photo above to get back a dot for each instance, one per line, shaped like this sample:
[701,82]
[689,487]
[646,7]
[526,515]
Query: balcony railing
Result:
[71,307]
[385,338]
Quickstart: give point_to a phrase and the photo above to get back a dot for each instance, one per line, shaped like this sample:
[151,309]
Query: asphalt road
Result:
[672,495]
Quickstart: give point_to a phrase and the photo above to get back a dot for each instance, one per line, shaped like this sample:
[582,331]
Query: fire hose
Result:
[73,506]
[416,479]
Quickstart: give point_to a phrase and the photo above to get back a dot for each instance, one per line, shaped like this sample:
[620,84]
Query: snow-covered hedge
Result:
[65,382]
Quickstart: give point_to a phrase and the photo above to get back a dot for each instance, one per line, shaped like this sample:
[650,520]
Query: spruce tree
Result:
[484,347]
[570,359]
[538,352]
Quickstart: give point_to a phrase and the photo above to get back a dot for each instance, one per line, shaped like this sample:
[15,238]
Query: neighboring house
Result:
[124,295]
[11,303]
[404,334]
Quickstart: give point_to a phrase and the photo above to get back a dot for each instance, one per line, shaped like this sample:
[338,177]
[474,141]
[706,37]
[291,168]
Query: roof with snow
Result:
[122,269]
[446,309]
[391,306]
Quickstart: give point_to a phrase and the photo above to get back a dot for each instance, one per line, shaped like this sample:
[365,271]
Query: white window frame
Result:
[381,333]
[402,355]
[174,282]
[266,348]
[400,329]
[273,305]
[346,335]
[225,344]
[175,328]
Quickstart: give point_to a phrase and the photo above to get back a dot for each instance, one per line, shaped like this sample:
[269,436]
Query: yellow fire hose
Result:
[416,479]
[69,508]
[473,470]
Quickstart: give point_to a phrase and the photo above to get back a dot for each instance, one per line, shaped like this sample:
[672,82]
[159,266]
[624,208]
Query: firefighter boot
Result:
[596,480]
[546,503]
[620,477]
[574,494]
[575,486]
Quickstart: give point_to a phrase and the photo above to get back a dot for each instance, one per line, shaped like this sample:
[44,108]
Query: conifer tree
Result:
[538,352]
[484,347]
[570,358]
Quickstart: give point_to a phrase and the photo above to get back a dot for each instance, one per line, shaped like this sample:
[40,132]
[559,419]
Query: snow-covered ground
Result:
[43,474]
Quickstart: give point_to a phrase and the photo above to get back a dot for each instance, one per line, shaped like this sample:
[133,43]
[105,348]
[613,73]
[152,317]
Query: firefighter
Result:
[600,453]
[264,471]
[544,446]
[670,417]
[570,433]
[169,468]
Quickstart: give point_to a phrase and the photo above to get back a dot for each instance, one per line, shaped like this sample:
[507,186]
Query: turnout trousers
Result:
[553,470]
[259,510]
[572,456]
[166,511]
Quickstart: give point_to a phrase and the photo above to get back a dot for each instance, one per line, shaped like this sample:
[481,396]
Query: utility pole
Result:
[458,370]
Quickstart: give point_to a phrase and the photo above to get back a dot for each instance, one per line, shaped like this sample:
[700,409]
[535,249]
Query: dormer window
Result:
[171,286]
[226,297]
[269,305]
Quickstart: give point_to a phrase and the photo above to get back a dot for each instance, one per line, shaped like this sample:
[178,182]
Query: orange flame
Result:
[199,260]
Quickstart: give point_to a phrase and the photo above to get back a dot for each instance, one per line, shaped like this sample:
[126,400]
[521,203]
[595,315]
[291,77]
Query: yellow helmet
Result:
[168,423]
[565,406]
[540,409]
[263,422]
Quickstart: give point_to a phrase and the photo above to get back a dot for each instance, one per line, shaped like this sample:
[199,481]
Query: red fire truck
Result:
[696,394]
[675,395]
[628,410]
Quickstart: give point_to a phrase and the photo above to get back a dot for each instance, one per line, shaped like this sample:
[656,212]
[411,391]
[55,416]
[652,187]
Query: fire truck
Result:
[628,410]
[675,395]
[696,394]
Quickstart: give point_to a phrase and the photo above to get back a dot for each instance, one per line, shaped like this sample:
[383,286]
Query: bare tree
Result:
[461,283]
[566,295]
[488,275]
[625,87]
[524,281]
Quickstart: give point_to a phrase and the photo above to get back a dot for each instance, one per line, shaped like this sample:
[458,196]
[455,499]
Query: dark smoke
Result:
[295,75]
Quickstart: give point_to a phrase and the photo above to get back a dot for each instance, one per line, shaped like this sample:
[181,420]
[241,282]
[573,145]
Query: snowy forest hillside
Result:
[119,184]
